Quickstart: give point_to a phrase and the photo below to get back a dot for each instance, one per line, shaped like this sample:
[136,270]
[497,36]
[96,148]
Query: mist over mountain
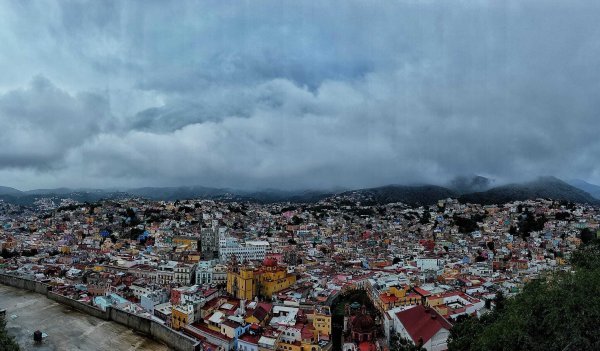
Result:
[543,187]
[59,191]
[462,188]
[592,189]
[175,193]
[413,195]
[27,198]
[470,184]
[4,190]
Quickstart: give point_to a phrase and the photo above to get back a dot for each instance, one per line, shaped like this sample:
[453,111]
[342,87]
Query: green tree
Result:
[398,343]
[587,256]
[500,300]
[297,220]
[462,333]
[558,311]
[7,342]
[587,235]
[426,217]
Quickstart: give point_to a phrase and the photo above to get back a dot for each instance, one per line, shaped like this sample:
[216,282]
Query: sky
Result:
[296,94]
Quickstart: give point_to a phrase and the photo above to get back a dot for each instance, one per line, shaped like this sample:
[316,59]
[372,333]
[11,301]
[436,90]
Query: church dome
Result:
[362,323]
[270,262]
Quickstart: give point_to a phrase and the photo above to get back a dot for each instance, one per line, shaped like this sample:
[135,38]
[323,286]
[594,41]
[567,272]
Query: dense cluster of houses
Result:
[252,277]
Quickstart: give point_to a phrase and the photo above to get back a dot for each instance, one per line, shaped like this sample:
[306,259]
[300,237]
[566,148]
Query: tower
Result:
[240,280]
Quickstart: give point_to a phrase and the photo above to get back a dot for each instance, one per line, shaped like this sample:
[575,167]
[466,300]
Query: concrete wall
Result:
[24,284]
[132,321]
[174,339]
[79,306]
[170,337]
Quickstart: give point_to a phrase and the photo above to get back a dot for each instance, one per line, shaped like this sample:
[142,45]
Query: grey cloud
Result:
[305,94]
[41,123]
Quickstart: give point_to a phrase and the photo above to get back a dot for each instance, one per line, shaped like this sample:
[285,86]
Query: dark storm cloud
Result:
[257,94]
[41,123]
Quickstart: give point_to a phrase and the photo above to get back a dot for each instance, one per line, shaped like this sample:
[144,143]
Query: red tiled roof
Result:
[209,347]
[387,298]
[231,323]
[260,314]
[266,306]
[307,331]
[208,292]
[211,303]
[422,291]
[204,328]
[252,339]
[420,322]
[367,346]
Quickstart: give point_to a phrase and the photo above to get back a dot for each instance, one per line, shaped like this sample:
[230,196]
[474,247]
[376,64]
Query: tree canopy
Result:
[7,342]
[559,311]
[398,343]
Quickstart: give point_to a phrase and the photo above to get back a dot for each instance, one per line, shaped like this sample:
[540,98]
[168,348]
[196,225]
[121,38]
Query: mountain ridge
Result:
[543,187]
[424,194]
[5,190]
[410,194]
[469,184]
[590,188]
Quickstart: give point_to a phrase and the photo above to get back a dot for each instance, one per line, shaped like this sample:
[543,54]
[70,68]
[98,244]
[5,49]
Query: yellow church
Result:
[240,281]
[245,282]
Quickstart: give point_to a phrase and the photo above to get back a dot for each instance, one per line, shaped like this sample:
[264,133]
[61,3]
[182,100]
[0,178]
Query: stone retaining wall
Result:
[79,306]
[25,284]
[151,328]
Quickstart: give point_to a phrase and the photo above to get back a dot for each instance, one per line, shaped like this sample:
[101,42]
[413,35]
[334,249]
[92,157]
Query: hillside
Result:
[272,196]
[178,193]
[4,190]
[592,189]
[543,187]
[414,195]
[469,184]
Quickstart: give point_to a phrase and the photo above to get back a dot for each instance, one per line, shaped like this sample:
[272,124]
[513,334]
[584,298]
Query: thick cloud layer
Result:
[301,94]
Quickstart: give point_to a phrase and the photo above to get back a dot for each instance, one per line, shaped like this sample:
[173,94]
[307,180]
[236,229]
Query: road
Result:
[67,329]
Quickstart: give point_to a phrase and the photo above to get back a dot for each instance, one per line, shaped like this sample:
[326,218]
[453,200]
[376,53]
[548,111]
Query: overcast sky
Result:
[294,94]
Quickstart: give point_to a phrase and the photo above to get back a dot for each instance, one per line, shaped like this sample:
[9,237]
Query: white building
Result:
[250,251]
[204,272]
[426,264]
[247,343]
[139,289]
